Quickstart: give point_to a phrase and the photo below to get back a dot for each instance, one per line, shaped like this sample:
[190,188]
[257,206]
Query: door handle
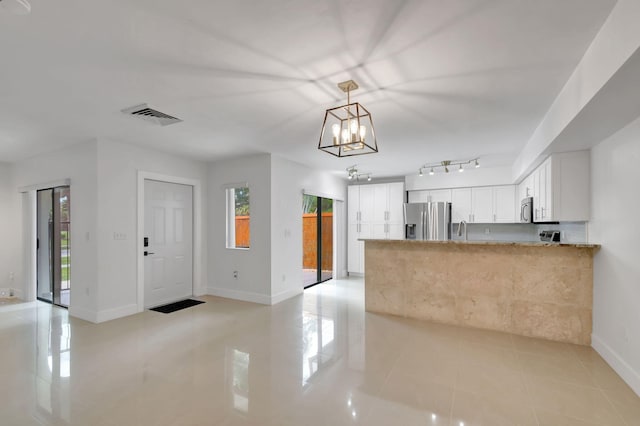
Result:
[147,253]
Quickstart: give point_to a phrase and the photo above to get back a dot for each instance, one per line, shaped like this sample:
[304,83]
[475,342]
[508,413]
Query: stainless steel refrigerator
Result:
[427,221]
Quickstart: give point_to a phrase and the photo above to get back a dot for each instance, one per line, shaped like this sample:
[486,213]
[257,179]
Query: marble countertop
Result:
[491,243]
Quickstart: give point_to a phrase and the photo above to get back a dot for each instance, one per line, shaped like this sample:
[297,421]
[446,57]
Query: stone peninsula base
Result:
[539,291]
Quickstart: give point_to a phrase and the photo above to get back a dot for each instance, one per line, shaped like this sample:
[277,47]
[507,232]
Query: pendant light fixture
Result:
[347,130]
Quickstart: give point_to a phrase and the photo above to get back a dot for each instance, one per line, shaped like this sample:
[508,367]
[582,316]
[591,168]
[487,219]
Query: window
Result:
[238,214]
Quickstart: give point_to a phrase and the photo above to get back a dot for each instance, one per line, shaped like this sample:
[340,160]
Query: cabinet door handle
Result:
[542,212]
[494,217]
[469,217]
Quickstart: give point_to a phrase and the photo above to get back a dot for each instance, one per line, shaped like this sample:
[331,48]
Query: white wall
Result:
[103,201]
[614,225]
[11,247]
[288,181]
[616,41]
[78,163]
[117,174]
[253,265]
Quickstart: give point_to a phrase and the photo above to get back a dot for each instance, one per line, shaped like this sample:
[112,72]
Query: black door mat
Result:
[176,306]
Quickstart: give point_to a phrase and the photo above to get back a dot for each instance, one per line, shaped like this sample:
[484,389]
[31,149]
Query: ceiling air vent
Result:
[149,114]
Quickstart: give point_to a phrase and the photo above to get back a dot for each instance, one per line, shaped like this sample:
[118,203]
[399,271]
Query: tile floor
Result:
[317,359]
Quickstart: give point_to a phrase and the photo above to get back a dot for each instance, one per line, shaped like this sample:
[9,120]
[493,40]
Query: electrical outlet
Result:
[487,231]
[119,236]
[235,274]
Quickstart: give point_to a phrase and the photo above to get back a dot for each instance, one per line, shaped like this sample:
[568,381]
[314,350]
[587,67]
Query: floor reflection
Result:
[53,364]
[315,359]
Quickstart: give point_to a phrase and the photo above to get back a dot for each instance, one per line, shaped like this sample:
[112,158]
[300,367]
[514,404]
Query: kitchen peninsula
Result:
[533,289]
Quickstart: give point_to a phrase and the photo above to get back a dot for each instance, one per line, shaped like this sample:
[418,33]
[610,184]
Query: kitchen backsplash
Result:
[571,232]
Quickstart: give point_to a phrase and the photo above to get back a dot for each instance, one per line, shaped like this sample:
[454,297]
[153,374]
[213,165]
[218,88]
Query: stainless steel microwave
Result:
[526,210]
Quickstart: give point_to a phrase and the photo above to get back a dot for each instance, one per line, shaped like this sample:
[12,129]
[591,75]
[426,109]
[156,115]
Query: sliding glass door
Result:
[317,239]
[53,249]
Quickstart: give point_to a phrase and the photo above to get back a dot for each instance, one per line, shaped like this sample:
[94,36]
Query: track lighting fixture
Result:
[444,165]
[353,174]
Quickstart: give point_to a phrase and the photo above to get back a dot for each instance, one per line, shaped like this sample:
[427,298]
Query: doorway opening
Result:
[317,239]
[53,228]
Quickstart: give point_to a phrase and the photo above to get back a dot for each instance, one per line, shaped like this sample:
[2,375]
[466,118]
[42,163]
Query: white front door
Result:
[168,225]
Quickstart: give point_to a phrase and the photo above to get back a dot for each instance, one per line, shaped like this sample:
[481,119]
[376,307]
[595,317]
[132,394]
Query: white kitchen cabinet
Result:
[359,225]
[525,189]
[482,205]
[434,195]
[374,211]
[560,188]
[354,249]
[541,178]
[488,204]
[387,210]
[504,204]
[461,207]
[440,195]
[396,203]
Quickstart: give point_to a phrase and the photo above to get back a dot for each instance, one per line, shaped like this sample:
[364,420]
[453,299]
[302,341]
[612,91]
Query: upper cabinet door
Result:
[482,205]
[367,203]
[461,204]
[548,192]
[353,203]
[504,204]
[380,203]
[438,195]
[418,196]
[396,203]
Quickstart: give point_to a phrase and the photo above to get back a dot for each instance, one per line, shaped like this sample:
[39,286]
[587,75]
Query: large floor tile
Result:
[315,359]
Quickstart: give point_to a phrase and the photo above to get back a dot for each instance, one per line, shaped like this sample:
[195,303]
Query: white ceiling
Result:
[448,79]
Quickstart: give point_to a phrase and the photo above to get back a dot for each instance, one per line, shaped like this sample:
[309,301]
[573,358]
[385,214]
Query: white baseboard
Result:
[199,291]
[239,295]
[616,362]
[287,294]
[83,314]
[111,314]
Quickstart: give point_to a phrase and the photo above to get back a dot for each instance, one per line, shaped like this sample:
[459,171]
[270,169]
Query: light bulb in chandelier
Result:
[354,130]
[363,132]
[336,133]
[345,136]
[477,164]
[431,172]
[420,173]
[369,178]
[460,169]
